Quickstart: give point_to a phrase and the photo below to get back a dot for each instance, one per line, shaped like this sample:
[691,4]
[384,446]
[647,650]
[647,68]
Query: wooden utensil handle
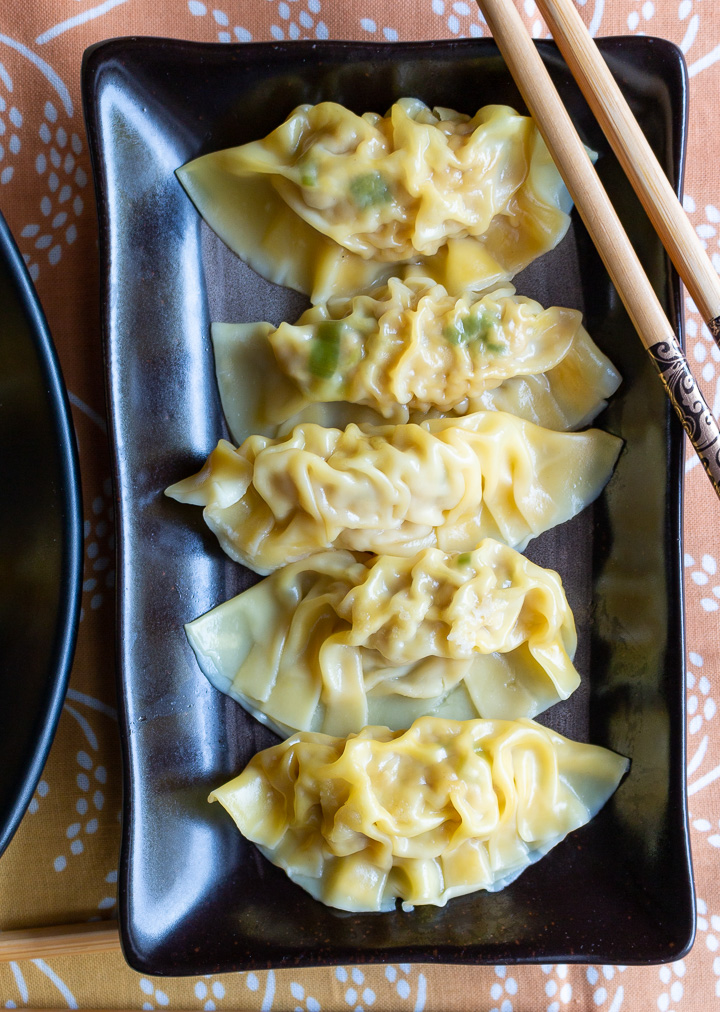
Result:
[60,940]
[605,229]
[694,412]
[634,153]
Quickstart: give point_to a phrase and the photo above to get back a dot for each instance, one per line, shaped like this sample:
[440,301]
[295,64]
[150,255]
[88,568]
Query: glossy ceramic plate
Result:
[194,896]
[40,539]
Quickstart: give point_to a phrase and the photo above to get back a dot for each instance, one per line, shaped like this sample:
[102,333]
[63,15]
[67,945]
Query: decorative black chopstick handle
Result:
[692,408]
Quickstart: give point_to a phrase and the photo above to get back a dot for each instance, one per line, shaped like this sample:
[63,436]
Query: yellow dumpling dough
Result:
[394,489]
[330,202]
[389,187]
[443,809]
[414,346]
[338,641]
[409,349]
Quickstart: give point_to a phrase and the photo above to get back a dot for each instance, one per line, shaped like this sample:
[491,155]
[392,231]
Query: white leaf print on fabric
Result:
[21,986]
[705,827]
[308,1002]
[701,706]
[462,20]
[41,791]
[708,926]
[99,537]
[704,62]
[63,177]
[77,19]
[11,120]
[292,22]
[671,977]
[607,993]
[557,987]
[156,994]
[45,69]
[705,576]
[400,977]
[209,992]
[503,990]
[57,981]
[222,20]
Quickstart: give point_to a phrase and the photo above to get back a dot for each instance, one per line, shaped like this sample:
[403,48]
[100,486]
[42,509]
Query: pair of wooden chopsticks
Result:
[648,180]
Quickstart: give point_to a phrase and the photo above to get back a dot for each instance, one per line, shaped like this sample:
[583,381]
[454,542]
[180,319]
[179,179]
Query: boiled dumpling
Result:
[413,347]
[405,350]
[390,187]
[395,489]
[330,202]
[336,641]
[443,809]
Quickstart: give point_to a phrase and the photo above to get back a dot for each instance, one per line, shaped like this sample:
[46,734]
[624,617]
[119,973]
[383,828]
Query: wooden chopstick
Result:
[606,230]
[62,940]
[636,157]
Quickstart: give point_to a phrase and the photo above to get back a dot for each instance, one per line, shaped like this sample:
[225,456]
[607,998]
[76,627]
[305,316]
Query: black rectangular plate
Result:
[195,897]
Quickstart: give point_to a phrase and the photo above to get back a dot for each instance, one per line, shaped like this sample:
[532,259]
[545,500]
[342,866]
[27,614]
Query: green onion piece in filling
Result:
[452,334]
[325,350]
[369,189]
[477,327]
[463,560]
[308,173]
[473,328]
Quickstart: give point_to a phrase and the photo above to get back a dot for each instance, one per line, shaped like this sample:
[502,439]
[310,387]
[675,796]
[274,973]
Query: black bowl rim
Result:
[69,494]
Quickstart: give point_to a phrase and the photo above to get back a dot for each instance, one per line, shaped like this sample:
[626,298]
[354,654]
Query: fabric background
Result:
[62,865]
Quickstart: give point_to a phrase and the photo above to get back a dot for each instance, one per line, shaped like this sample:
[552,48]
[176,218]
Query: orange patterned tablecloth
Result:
[62,864]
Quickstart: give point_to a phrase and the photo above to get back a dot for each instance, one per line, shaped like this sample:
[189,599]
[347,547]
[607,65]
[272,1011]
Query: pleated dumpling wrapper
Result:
[336,641]
[331,203]
[408,349]
[443,809]
[395,489]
